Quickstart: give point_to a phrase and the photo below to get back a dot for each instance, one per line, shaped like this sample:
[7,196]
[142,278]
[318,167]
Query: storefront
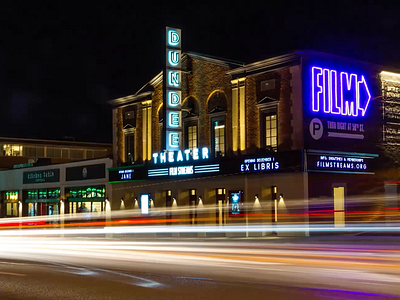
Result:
[85,199]
[41,192]
[11,204]
[56,189]
[253,184]
[87,186]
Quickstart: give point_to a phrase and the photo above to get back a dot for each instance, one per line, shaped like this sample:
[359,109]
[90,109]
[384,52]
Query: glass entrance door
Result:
[12,209]
[32,209]
[338,204]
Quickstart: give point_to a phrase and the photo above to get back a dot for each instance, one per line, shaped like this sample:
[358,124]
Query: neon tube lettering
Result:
[347,95]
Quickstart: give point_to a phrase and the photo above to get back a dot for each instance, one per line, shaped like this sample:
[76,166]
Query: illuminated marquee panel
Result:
[172,92]
[340,162]
[184,170]
[126,174]
[260,164]
[190,160]
[339,93]
[181,156]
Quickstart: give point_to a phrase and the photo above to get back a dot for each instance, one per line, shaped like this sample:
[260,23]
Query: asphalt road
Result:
[77,268]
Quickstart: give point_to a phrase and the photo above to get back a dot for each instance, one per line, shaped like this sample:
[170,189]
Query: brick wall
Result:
[252,116]
[200,81]
[205,78]
[284,112]
[155,125]
[120,137]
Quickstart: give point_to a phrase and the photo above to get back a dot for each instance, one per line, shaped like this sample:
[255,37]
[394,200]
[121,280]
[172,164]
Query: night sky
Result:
[59,64]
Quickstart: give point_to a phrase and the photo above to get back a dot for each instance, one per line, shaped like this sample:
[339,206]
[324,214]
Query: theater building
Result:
[291,136]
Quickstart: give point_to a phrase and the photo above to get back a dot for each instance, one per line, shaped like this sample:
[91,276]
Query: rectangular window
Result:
[89,153]
[50,152]
[12,150]
[42,194]
[40,151]
[53,193]
[99,153]
[219,137]
[65,153]
[57,153]
[73,153]
[271,136]
[79,153]
[192,137]
[130,148]
[32,151]
[130,115]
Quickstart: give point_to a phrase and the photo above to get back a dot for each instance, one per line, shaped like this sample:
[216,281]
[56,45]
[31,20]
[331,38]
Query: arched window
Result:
[190,116]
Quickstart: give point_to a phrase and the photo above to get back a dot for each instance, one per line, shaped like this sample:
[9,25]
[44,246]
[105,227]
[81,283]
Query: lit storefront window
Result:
[11,196]
[42,202]
[12,150]
[11,203]
[271,132]
[86,199]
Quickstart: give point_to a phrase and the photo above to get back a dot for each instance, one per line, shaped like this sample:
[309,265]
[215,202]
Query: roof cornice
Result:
[269,63]
[156,79]
[214,60]
[52,142]
[131,98]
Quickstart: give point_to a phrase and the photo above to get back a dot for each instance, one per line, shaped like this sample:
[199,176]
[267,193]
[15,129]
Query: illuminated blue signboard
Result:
[340,162]
[338,111]
[260,164]
[180,163]
[340,93]
[172,90]
[184,170]
[125,174]
[236,202]
[181,156]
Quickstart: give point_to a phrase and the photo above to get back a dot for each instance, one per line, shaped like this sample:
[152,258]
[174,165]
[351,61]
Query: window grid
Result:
[192,137]
[54,152]
[219,138]
[271,132]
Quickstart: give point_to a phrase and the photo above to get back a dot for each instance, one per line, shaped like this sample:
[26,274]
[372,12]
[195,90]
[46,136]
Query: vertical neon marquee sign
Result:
[339,93]
[172,90]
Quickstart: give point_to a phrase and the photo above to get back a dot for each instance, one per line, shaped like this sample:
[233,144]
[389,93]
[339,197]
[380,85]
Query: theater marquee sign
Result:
[172,90]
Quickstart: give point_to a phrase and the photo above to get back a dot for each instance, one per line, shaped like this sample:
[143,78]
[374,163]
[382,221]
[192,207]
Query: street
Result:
[166,268]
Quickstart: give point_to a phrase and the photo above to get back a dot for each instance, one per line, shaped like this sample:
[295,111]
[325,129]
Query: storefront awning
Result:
[94,199]
[41,200]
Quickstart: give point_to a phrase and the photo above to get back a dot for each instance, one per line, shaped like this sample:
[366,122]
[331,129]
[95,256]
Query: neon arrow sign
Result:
[339,93]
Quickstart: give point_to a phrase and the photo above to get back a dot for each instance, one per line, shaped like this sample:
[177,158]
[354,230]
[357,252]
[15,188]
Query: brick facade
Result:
[200,79]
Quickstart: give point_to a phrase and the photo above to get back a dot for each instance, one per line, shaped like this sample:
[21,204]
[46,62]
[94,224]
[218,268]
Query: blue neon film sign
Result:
[337,92]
